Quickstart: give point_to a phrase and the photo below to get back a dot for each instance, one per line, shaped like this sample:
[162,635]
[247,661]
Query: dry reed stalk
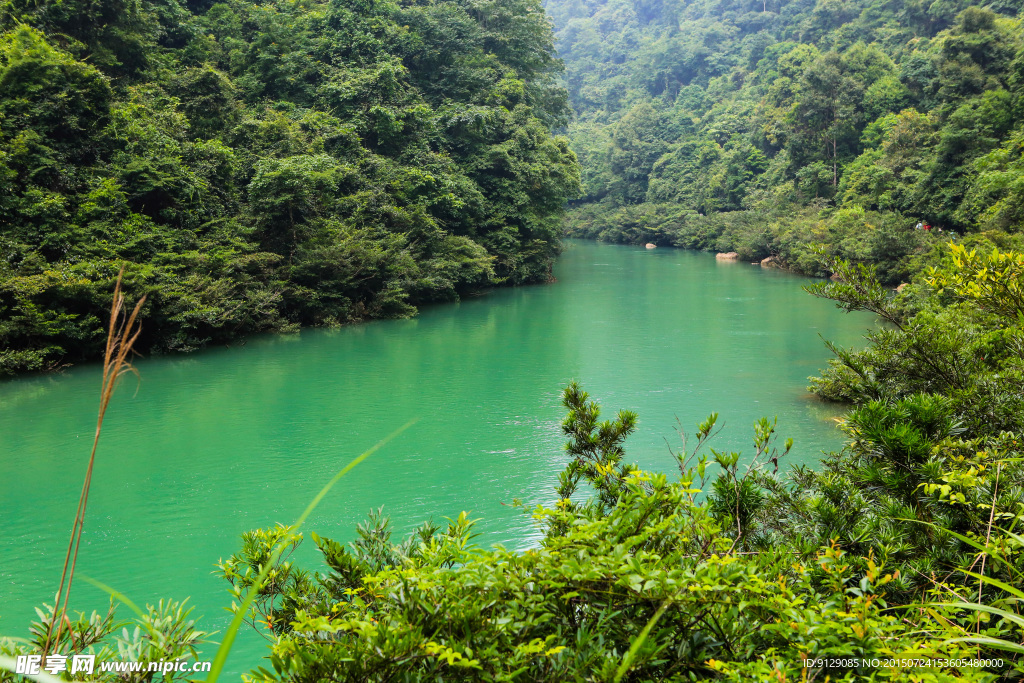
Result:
[121,336]
[988,539]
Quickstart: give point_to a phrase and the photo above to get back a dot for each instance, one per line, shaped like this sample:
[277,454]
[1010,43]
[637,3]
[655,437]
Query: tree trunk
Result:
[835,166]
[291,219]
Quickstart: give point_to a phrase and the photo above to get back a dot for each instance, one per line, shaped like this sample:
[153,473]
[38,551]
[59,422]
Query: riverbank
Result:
[790,235]
[764,572]
[207,445]
[925,401]
[242,189]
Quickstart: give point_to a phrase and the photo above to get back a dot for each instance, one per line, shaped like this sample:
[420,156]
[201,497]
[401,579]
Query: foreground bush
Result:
[902,545]
[643,580]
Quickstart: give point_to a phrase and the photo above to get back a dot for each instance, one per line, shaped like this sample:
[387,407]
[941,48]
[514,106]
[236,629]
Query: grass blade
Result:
[1016,592]
[236,623]
[11,664]
[994,643]
[969,541]
[627,661]
[978,607]
[116,595]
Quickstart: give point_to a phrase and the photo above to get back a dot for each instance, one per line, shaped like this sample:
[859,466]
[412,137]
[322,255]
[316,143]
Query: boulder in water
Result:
[651,245]
[727,256]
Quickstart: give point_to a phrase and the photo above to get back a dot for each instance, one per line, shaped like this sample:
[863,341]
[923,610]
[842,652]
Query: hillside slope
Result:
[765,127]
[264,165]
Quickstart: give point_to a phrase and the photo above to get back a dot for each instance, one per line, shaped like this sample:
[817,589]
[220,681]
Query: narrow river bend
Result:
[206,446]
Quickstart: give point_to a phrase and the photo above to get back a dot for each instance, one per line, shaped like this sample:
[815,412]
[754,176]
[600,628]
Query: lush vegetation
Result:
[767,127]
[904,546]
[258,166]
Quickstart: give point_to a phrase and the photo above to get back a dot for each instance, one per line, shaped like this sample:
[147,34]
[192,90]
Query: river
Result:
[202,447]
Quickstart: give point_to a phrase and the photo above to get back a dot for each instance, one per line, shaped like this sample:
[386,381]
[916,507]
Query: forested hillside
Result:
[764,126]
[262,165]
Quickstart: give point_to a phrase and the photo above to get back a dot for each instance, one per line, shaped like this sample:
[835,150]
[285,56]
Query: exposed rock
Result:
[768,262]
[651,245]
[835,277]
[727,256]
[903,285]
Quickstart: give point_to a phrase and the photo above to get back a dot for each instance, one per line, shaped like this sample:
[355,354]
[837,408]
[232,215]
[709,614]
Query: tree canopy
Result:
[766,127]
[259,166]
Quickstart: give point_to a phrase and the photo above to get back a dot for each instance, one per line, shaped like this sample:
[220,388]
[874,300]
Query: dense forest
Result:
[766,127]
[259,166]
[264,165]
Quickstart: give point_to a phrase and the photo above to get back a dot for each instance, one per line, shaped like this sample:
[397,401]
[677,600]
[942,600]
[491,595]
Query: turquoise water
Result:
[205,446]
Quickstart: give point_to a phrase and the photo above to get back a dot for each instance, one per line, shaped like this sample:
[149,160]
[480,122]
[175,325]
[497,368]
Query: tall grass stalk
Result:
[1014,591]
[641,638]
[10,664]
[236,623]
[122,334]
